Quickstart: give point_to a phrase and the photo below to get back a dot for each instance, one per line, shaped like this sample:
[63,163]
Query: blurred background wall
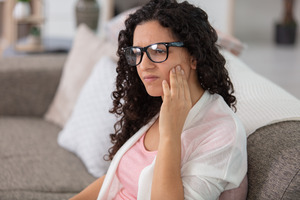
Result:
[247,20]
[254,19]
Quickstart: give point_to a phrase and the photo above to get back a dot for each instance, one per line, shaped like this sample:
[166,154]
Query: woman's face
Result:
[152,74]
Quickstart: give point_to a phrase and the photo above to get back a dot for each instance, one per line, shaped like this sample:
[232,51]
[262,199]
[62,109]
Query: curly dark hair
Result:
[190,25]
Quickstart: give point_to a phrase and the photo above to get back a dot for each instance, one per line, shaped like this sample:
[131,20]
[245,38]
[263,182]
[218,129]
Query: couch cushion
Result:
[28,83]
[273,161]
[33,166]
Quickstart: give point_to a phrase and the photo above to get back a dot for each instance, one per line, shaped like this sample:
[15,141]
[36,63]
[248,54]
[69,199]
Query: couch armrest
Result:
[28,83]
[273,162]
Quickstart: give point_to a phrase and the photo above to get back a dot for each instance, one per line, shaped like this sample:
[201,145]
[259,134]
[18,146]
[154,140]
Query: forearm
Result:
[167,183]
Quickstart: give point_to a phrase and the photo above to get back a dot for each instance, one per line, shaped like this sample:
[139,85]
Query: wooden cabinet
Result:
[12,30]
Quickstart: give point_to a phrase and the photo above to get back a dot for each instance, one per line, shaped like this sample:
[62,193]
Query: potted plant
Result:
[286,29]
[34,37]
[22,9]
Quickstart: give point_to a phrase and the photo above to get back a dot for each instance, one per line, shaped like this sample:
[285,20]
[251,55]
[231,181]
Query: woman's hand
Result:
[176,104]
[167,183]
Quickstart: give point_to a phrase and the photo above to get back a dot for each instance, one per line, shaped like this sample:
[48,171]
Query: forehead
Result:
[151,32]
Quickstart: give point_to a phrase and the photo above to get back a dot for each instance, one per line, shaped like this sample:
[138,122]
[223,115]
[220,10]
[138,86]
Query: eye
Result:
[158,49]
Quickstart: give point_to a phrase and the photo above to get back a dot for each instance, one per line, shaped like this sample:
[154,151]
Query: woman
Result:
[177,137]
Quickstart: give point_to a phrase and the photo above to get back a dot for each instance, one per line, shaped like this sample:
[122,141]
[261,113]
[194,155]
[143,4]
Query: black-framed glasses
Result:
[157,52]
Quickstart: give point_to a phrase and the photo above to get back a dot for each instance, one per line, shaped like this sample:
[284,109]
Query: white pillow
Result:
[87,49]
[87,131]
[259,101]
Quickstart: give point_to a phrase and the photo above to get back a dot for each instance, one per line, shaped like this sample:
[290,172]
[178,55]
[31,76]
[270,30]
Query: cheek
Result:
[165,72]
[180,58]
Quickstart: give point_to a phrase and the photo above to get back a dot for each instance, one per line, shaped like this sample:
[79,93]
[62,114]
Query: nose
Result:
[146,63]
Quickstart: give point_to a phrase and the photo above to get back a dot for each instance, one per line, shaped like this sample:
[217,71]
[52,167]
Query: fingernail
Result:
[178,67]
[182,72]
[173,70]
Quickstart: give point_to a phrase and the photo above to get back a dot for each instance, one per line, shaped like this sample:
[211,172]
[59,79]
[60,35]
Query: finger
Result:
[173,82]
[180,81]
[187,94]
[166,90]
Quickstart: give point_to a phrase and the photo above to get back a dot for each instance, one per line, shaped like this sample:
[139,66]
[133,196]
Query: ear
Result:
[193,62]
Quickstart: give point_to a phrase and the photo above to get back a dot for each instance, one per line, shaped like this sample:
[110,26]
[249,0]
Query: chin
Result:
[155,93]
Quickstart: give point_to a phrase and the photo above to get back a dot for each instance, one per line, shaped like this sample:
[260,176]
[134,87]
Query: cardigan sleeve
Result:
[214,160]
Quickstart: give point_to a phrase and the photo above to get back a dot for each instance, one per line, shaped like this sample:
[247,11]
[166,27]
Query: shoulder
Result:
[213,148]
[215,126]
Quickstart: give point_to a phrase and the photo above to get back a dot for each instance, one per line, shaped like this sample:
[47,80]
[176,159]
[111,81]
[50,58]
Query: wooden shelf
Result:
[29,48]
[11,29]
[31,20]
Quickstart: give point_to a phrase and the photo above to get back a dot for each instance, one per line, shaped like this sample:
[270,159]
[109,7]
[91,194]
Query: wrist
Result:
[170,137]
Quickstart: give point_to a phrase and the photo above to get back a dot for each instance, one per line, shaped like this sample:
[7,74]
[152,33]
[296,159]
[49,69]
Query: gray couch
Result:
[33,166]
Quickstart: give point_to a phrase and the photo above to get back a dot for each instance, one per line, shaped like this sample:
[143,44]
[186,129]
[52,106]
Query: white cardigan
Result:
[213,154]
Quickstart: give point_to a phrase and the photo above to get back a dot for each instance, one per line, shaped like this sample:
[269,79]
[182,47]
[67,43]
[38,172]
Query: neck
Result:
[196,94]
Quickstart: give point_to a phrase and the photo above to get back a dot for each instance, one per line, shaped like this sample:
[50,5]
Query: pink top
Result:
[130,167]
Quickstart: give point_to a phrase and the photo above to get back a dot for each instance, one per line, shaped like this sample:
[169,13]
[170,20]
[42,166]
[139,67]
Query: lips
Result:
[150,78]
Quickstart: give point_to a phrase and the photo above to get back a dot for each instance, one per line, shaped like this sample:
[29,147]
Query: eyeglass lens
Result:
[155,52]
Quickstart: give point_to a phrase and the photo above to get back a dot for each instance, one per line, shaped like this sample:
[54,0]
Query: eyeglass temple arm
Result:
[176,44]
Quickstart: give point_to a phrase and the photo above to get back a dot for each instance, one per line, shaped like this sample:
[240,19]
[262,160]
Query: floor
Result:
[280,64]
